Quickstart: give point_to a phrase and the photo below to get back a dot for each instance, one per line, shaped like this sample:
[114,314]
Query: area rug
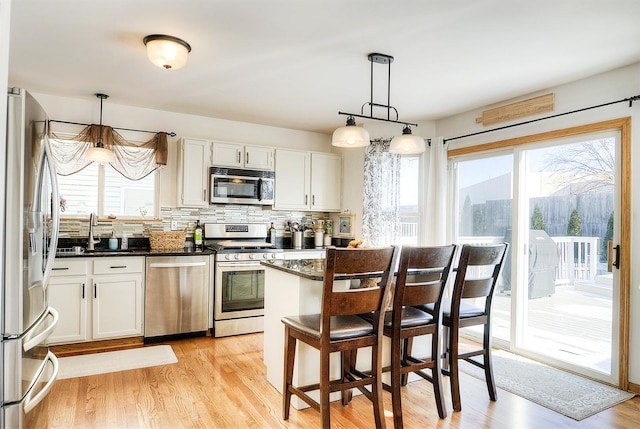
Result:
[560,391]
[121,360]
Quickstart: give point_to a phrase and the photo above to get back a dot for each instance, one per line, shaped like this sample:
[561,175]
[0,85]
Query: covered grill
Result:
[543,262]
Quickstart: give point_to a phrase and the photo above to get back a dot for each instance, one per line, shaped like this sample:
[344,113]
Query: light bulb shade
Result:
[350,135]
[167,52]
[99,153]
[407,143]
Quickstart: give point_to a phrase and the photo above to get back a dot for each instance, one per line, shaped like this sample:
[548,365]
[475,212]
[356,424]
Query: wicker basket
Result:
[167,240]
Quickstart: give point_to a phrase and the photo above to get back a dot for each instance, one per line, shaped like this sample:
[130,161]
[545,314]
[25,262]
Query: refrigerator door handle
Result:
[29,402]
[55,215]
[30,343]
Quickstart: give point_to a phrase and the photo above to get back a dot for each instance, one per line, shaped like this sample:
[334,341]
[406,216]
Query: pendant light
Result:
[352,136]
[407,143]
[99,153]
[167,52]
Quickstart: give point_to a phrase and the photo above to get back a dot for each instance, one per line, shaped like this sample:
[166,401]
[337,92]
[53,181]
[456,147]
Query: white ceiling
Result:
[295,64]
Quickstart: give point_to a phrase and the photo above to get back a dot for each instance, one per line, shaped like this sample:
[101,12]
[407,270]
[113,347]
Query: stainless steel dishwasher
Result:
[177,296]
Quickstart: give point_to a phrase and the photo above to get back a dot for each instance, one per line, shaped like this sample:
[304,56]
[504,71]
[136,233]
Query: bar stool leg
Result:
[324,388]
[290,357]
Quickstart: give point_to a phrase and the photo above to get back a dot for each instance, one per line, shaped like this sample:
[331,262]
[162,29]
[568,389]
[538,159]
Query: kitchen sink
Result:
[108,252]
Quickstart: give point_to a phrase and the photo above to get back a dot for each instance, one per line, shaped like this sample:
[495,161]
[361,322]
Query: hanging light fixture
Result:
[166,52]
[350,135]
[99,153]
[406,143]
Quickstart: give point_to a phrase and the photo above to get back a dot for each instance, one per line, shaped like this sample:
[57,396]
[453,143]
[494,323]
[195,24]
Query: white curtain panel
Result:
[433,224]
[381,206]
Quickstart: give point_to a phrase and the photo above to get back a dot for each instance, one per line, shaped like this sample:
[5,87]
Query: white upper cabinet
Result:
[307,181]
[237,155]
[293,180]
[194,159]
[326,181]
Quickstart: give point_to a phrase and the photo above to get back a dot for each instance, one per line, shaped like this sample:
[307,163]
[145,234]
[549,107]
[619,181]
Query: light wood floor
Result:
[221,383]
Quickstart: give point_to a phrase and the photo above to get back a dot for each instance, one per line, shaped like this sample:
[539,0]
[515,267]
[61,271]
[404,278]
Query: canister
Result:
[296,238]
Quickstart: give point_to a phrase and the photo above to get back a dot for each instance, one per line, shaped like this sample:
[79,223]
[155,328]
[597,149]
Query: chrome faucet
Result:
[93,221]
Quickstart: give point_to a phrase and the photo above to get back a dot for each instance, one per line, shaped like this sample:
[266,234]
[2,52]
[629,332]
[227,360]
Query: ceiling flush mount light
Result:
[167,52]
[99,153]
[407,143]
[350,135]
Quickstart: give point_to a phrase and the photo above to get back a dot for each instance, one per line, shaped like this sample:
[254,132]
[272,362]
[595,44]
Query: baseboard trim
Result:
[97,346]
[634,388]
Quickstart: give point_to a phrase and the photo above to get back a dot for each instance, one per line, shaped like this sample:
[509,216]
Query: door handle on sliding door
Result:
[616,262]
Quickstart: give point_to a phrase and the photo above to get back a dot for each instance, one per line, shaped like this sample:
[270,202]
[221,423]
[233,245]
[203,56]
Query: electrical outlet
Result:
[174,225]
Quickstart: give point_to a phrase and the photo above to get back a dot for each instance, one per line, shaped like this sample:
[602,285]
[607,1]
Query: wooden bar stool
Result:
[421,279]
[477,275]
[339,329]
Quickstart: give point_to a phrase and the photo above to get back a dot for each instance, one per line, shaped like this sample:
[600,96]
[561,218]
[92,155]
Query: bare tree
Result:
[587,167]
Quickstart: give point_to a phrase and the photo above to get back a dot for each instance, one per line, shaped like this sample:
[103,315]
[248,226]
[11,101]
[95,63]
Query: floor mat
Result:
[569,394]
[121,360]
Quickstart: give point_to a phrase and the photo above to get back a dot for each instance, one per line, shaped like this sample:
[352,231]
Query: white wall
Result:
[117,115]
[611,86]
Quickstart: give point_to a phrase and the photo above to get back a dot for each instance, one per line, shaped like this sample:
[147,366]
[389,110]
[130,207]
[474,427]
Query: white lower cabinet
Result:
[68,295]
[97,298]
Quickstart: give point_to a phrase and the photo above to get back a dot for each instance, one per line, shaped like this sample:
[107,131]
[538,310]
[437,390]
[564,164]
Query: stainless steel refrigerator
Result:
[29,220]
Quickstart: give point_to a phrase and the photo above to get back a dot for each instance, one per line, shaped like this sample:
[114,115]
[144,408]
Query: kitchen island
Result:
[292,288]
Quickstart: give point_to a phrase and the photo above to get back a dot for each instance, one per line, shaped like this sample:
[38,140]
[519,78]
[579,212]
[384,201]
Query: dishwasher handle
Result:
[176,264]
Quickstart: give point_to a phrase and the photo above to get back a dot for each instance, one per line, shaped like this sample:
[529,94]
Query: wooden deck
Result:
[570,325]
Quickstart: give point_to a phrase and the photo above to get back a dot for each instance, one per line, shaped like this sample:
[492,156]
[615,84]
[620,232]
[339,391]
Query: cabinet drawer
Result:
[121,265]
[69,267]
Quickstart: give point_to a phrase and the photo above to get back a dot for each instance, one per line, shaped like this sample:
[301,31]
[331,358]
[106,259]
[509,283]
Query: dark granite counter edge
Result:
[304,268]
[135,252]
[318,276]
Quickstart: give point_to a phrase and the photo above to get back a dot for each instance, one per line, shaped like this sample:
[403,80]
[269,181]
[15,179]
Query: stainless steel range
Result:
[238,276]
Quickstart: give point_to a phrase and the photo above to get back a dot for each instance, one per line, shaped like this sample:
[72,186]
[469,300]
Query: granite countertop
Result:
[313,269]
[139,246]
[133,252]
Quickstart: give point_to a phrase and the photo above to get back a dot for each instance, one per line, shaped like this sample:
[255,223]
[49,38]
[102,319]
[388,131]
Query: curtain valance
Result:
[132,159]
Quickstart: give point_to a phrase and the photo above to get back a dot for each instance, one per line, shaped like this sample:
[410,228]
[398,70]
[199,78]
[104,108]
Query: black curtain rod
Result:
[172,134]
[629,99]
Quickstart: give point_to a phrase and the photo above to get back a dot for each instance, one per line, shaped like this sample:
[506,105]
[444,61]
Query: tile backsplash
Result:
[186,218]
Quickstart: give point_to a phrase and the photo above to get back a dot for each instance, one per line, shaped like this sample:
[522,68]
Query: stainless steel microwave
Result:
[237,186]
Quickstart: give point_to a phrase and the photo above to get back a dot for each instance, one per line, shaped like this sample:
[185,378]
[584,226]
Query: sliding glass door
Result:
[557,203]
[485,207]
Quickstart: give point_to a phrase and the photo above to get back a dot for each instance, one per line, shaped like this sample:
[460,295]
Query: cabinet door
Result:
[228,154]
[326,181]
[258,157]
[292,186]
[193,171]
[69,295]
[117,306]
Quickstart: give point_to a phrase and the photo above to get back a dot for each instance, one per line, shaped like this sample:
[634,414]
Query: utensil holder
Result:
[296,238]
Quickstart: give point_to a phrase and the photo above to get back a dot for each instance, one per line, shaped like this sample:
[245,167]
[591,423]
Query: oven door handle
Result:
[176,264]
[238,264]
